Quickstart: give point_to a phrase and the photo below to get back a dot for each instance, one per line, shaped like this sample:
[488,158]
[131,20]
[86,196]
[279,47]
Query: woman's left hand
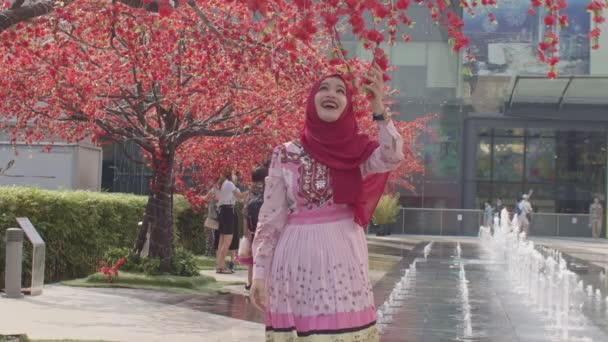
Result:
[376,87]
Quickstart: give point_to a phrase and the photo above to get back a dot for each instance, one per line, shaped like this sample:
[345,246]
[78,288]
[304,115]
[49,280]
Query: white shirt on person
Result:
[225,195]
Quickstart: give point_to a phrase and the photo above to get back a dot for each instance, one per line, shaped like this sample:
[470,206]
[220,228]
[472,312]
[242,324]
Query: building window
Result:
[565,169]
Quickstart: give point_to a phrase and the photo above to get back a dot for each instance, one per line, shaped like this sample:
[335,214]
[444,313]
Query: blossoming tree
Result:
[304,18]
[189,87]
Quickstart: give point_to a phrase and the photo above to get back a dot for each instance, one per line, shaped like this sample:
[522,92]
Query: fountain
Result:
[541,276]
[385,313]
[466,306]
[427,250]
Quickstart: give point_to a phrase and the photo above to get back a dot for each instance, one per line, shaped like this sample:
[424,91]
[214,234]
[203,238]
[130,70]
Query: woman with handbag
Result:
[310,273]
[226,194]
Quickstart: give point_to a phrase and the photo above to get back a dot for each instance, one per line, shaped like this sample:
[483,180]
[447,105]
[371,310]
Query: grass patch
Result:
[207,263]
[168,283]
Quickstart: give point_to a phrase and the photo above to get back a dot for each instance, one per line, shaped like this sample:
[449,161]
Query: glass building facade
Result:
[565,167]
[495,133]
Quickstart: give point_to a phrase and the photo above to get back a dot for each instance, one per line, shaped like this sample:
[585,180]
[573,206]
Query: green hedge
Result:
[79,226]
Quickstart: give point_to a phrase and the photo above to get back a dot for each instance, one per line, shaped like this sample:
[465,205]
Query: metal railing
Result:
[548,224]
[431,221]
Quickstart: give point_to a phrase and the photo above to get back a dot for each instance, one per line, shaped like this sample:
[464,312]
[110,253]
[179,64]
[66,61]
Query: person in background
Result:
[498,209]
[238,226]
[525,213]
[487,219]
[596,213]
[505,216]
[251,209]
[226,193]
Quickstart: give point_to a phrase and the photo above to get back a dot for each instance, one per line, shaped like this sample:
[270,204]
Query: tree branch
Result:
[21,13]
[13,16]
[209,24]
[225,108]
[17,4]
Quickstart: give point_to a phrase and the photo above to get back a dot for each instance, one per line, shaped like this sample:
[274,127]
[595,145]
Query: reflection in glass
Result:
[540,160]
[508,192]
[484,193]
[484,159]
[566,169]
[441,151]
[508,132]
[540,133]
[581,169]
[484,132]
[508,159]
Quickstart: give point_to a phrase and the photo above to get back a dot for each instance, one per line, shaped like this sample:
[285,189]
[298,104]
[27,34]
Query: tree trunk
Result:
[11,17]
[159,211]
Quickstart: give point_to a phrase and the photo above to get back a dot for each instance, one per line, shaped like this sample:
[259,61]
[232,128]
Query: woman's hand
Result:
[375,85]
[258,294]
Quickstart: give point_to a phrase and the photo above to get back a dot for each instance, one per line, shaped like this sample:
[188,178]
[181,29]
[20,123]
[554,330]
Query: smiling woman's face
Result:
[330,99]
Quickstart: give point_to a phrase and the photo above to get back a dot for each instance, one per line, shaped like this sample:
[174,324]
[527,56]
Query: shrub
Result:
[79,226]
[189,232]
[183,263]
[387,211]
[133,262]
[151,266]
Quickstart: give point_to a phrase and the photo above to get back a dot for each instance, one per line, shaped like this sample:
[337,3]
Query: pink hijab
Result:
[340,146]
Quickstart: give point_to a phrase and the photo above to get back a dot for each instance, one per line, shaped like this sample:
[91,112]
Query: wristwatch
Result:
[382,116]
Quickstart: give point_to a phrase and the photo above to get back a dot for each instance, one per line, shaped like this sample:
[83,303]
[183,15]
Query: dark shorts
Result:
[227,220]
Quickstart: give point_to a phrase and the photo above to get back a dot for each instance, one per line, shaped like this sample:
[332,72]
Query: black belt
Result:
[227,205]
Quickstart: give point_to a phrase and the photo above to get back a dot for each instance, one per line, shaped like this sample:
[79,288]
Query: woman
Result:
[226,194]
[251,210]
[310,271]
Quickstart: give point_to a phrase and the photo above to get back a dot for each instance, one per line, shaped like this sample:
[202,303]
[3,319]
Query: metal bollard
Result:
[14,258]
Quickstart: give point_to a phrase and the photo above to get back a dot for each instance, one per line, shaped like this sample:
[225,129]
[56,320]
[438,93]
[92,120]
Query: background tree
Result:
[198,87]
[125,75]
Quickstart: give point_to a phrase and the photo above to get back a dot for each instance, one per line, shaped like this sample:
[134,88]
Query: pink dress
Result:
[310,251]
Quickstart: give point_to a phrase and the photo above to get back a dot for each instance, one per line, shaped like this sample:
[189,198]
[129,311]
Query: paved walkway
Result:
[63,312]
